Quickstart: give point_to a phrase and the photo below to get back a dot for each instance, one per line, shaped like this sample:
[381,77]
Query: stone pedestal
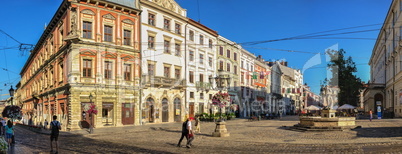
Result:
[328,113]
[220,130]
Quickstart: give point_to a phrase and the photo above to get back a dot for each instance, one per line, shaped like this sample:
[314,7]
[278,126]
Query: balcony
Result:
[163,82]
[203,86]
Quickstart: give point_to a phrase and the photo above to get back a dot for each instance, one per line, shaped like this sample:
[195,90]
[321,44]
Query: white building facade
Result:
[163,61]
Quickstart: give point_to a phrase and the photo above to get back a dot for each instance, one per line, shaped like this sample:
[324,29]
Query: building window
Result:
[151,19]
[151,69]
[201,77]
[166,71]
[201,40]
[108,33]
[201,59]
[228,67]
[151,41]
[177,73]
[61,71]
[191,77]
[178,29]
[127,37]
[210,43]
[177,49]
[87,30]
[221,65]
[235,56]
[166,47]
[242,64]
[201,95]
[191,35]
[221,51]
[166,24]
[235,69]
[108,69]
[87,68]
[127,72]
[228,53]
[191,94]
[210,61]
[191,55]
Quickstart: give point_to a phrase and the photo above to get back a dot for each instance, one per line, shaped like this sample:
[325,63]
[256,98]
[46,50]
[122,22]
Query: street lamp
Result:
[11,94]
[91,128]
[219,80]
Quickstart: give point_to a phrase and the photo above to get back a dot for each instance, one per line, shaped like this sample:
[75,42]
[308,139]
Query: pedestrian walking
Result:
[187,132]
[9,132]
[371,114]
[54,135]
[197,125]
[45,124]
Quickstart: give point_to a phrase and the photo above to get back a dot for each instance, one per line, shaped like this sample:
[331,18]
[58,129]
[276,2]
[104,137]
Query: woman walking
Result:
[9,132]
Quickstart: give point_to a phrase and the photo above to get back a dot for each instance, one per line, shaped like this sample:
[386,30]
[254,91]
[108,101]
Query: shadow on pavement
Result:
[73,143]
[176,131]
[379,132]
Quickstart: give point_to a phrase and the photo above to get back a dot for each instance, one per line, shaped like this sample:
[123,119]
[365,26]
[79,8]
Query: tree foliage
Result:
[343,69]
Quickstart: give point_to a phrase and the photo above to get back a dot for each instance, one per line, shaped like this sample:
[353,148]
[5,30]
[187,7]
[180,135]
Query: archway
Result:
[165,110]
[177,109]
[151,109]
[378,101]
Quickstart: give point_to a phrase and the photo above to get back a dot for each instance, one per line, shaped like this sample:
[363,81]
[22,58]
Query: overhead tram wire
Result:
[317,33]
[293,38]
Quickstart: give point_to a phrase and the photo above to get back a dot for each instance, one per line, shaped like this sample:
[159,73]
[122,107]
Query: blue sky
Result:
[256,20]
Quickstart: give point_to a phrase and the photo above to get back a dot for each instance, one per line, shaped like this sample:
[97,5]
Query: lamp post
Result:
[91,128]
[220,129]
[11,94]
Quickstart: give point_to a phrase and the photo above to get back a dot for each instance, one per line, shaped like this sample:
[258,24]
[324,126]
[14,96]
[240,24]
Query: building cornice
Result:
[202,27]
[162,9]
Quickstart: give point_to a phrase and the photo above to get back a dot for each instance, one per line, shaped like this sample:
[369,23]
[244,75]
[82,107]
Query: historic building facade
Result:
[163,61]
[228,62]
[90,48]
[201,68]
[384,90]
[246,87]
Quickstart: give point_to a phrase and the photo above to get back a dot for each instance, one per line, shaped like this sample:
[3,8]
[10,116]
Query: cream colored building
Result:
[163,61]
[228,66]
[384,90]
[200,68]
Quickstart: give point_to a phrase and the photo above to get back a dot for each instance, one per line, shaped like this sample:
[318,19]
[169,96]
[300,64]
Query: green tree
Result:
[343,75]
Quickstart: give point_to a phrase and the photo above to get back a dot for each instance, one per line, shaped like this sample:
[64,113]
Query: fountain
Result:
[327,121]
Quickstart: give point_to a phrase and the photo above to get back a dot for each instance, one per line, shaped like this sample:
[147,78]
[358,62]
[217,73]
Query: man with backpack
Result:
[187,132]
[54,135]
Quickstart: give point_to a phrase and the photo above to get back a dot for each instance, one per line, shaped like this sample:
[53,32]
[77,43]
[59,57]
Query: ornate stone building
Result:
[89,48]
[228,62]
[201,68]
[246,82]
[163,61]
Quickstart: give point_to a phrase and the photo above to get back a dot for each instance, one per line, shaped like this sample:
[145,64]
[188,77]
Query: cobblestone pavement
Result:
[265,136]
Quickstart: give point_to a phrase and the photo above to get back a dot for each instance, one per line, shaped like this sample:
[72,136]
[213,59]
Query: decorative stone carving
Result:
[109,16]
[127,21]
[87,11]
[73,22]
[168,4]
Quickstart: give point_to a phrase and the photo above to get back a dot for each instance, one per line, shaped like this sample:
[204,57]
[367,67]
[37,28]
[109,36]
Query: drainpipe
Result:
[140,70]
[185,69]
